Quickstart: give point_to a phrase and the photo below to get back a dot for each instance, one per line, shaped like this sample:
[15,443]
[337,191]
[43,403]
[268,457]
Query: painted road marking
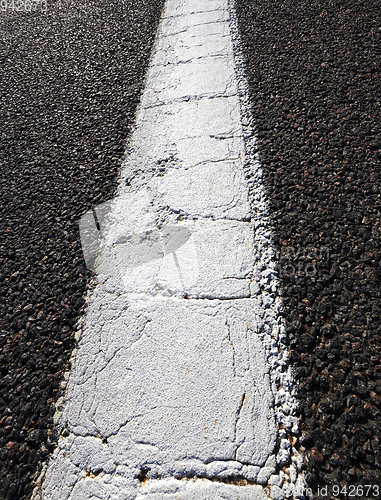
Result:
[181,380]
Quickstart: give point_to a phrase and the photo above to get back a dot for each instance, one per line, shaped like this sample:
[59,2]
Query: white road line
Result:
[181,371]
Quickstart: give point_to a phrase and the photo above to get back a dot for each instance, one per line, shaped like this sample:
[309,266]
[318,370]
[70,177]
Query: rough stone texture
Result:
[70,81]
[67,99]
[313,70]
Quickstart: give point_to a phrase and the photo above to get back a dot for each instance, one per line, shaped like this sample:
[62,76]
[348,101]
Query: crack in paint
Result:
[186,28]
[233,348]
[193,12]
[192,98]
[236,424]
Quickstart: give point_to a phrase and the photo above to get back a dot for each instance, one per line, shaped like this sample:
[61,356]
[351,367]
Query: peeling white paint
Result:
[181,371]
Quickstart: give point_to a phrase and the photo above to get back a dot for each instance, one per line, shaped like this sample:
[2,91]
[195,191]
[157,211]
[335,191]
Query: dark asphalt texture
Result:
[70,81]
[314,75]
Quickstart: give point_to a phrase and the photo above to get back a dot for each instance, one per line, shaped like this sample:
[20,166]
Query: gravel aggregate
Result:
[314,76]
[70,81]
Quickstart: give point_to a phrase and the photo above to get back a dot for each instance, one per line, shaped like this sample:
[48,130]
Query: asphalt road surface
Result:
[71,78]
